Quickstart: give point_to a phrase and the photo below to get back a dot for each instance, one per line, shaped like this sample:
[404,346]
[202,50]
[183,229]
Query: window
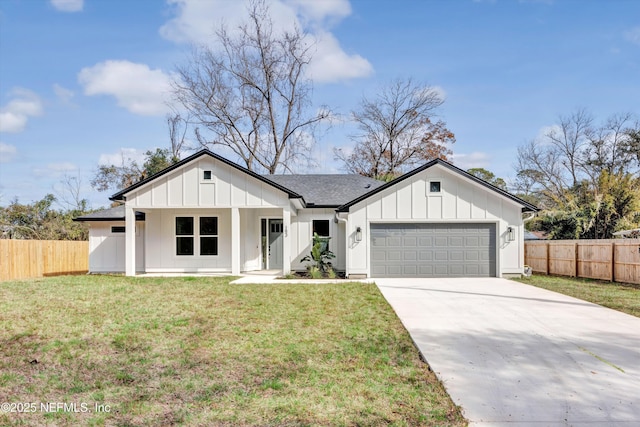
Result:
[206,175]
[184,235]
[276,227]
[187,235]
[434,186]
[208,235]
[118,229]
[321,226]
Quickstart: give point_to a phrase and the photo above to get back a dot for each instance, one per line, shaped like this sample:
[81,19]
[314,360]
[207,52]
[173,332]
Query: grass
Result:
[187,351]
[618,296]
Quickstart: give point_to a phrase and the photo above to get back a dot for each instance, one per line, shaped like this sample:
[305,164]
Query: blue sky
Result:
[83,80]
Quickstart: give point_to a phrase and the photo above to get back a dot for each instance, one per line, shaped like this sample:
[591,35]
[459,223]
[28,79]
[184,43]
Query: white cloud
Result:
[65,95]
[330,63]
[477,159]
[195,21]
[68,5]
[14,116]
[7,152]
[125,155]
[136,87]
[62,167]
[633,35]
[440,91]
[321,11]
[54,170]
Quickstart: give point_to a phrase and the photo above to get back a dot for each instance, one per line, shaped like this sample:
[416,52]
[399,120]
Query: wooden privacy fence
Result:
[613,259]
[22,259]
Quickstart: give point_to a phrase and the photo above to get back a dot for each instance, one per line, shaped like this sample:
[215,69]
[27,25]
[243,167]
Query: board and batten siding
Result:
[161,242]
[460,200]
[185,187]
[302,237]
[106,249]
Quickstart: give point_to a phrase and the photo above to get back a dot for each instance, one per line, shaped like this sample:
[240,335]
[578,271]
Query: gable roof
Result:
[120,195]
[526,206]
[327,190]
[335,191]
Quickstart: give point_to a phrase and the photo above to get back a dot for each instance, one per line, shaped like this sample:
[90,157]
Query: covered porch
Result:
[231,240]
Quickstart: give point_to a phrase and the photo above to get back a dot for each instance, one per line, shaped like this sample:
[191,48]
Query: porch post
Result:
[130,241]
[235,241]
[286,243]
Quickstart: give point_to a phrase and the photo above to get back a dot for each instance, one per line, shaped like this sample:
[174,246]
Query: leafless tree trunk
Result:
[396,131]
[249,93]
[177,132]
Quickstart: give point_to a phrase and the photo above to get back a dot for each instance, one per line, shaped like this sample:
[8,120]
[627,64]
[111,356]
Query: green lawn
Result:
[198,351]
[618,296]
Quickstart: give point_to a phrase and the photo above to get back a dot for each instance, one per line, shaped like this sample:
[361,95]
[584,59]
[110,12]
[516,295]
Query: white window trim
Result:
[434,193]
[207,181]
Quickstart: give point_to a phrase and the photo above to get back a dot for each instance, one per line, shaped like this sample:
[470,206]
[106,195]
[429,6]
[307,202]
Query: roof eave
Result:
[140,216]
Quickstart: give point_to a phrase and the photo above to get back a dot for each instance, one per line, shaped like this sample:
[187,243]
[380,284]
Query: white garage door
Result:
[433,250]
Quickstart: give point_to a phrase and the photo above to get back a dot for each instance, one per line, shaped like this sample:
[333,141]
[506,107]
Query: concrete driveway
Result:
[514,355]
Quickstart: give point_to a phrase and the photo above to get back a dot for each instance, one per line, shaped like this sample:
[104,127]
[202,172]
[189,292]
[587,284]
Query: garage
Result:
[433,250]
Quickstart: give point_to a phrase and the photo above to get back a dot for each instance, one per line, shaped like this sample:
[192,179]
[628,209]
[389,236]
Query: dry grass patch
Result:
[618,296]
[186,351]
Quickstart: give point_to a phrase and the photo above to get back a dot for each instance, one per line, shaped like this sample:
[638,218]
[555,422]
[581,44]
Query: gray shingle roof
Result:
[111,214]
[326,190]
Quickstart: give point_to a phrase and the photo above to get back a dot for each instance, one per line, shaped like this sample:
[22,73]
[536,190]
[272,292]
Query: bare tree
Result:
[541,173]
[584,176]
[611,146]
[177,126]
[396,131]
[250,93]
[570,141]
[68,192]
[575,152]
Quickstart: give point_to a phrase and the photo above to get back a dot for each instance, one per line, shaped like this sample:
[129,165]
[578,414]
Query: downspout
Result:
[532,214]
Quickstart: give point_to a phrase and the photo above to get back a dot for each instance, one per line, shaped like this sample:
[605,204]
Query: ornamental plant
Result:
[319,257]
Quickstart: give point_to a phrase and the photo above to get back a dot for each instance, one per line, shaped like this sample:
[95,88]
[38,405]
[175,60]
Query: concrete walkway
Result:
[514,355]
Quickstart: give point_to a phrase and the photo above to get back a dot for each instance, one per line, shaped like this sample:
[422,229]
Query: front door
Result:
[275,244]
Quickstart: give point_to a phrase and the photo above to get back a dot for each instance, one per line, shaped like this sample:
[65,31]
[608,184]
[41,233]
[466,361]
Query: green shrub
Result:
[314,272]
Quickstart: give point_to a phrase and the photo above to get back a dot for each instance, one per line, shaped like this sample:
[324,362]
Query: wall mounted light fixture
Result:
[511,234]
[358,234]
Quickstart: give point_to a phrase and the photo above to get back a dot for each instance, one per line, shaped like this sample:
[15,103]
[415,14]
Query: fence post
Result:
[575,258]
[546,268]
[613,261]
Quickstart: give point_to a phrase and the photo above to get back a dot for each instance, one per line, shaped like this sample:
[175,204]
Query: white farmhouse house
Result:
[208,214]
